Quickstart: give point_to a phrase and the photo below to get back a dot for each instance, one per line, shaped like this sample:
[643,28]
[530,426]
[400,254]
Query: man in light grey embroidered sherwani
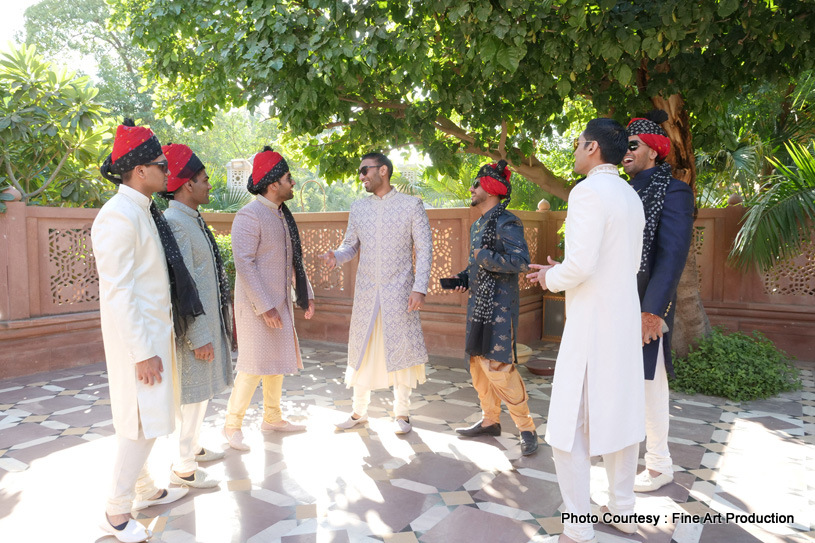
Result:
[385,345]
[204,351]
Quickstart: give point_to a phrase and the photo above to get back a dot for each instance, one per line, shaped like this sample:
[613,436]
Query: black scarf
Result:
[300,281]
[653,200]
[479,340]
[184,295]
[224,292]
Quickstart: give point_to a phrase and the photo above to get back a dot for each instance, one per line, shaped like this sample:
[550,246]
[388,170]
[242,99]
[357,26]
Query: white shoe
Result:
[134,532]
[200,480]
[624,527]
[402,426]
[350,422]
[645,483]
[208,456]
[235,440]
[169,496]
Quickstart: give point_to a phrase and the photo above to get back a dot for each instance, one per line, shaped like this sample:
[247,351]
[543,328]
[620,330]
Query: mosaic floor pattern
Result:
[368,484]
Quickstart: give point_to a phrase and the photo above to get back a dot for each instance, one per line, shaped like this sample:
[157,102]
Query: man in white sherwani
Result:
[385,345]
[268,262]
[135,254]
[597,399]
[204,348]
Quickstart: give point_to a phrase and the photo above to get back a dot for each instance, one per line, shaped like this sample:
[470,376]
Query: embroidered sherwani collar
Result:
[131,193]
[387,195]
[184,208]
[268,203]
[604,168]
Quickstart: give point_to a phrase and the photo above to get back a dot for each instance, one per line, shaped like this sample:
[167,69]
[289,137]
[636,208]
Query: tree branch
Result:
[10,172]
[53,175]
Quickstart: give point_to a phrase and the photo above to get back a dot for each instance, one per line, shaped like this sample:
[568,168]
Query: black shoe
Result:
[529,443]
[478,430]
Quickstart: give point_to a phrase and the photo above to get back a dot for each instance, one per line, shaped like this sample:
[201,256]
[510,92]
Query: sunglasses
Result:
[476,183]
[576,143]
[163,166]
[363,170]
[633,145]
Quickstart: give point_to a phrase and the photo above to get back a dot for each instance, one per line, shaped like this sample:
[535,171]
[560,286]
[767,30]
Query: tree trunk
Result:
[691,322]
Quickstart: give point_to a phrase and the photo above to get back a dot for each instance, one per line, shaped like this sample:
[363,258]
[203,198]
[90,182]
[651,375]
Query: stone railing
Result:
[49,296]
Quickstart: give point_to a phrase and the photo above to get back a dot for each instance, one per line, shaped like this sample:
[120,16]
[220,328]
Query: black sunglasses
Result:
[163,166]
[364,169]
[633,145]
[476,183]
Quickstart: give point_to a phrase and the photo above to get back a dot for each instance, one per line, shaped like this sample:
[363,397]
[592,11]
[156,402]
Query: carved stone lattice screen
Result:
[316,240]
[793,277]
[71,267]
[442,257]
[531,235]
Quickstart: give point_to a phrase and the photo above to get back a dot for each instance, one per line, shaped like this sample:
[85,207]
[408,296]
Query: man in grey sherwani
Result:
[203,344]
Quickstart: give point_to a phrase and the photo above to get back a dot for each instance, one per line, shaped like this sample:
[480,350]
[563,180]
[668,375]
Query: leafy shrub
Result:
[224,242]
[737,366]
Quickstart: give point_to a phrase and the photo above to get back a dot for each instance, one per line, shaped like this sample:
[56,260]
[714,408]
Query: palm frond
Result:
[781,217]
[227,200]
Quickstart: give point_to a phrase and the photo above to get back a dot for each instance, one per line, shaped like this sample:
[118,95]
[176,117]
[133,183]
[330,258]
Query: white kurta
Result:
[385,231]
[601,341]
[136,313]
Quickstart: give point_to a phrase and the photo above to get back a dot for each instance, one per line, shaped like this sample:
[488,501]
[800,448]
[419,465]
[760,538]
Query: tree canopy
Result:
[488,77]
[49,130]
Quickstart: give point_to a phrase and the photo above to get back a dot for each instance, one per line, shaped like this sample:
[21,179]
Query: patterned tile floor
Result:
[368,484]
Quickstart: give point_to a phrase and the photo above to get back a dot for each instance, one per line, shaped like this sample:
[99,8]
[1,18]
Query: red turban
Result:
[494,178]
[183,164]
[652,134]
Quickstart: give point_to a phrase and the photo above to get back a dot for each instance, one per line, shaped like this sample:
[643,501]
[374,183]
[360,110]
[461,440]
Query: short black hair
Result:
[610,136]
[383,161]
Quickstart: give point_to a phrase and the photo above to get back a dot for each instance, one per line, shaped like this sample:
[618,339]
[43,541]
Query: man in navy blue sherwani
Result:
[669,210]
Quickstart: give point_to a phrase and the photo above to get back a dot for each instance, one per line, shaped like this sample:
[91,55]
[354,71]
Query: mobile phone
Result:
[449,283]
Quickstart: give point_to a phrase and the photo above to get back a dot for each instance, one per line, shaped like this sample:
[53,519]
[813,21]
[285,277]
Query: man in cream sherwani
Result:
[137,323]
[597,400]
[385,345]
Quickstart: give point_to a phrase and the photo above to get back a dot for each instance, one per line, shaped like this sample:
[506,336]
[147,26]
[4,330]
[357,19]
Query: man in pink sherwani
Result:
[268,261]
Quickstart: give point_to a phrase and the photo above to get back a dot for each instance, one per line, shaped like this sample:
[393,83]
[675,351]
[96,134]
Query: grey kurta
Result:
[510,257]
[261,247]
[385,232]
[200,380]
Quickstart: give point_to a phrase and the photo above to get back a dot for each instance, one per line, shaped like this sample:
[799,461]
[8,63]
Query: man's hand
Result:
[651,327]
[149,371]
[205,353]
[329,259]
[272,319]
[540,275]
[460,288]
[310,310]
[416,301]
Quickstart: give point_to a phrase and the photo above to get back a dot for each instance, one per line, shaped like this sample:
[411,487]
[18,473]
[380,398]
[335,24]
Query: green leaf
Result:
[727,7]
[623,74]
